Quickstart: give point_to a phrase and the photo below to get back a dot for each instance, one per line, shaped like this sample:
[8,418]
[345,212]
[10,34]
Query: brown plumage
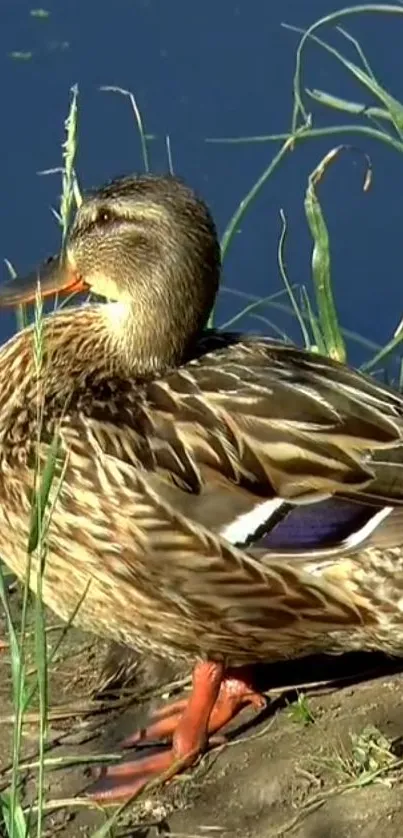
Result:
[189,461]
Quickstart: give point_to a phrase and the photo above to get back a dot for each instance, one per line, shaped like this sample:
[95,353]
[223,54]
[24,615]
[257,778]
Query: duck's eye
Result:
[104,216]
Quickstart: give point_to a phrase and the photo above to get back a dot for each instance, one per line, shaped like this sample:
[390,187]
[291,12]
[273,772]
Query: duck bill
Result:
[55,276]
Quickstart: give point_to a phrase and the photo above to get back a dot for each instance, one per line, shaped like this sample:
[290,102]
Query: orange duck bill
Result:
[189,725]
[55,276]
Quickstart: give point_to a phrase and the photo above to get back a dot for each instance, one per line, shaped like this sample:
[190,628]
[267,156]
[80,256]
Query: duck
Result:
[221,499]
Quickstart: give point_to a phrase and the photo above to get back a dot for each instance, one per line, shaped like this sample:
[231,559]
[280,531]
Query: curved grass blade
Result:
[339,104]
[321,270]
[280,333]
[383,353]
[298,108]
[392,105]
[247,201]
[109,88]
[288,287]
[250,308]
[359,50]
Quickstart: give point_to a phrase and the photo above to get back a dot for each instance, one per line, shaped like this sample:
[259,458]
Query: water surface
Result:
[202,70]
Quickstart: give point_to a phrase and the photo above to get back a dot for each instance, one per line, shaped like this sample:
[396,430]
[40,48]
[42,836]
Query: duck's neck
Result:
[145,344]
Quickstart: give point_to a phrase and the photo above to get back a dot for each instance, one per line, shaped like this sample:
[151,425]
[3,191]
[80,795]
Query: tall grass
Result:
[16,822]
[382,122]
[314,309]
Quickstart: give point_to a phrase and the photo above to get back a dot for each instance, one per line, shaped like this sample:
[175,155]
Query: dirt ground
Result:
[326,765]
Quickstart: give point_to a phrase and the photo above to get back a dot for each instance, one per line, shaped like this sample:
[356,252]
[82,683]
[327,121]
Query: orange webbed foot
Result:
[191,724]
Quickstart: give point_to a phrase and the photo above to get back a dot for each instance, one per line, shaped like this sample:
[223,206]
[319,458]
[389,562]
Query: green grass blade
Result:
[368,81]
[169,155]
[288,287]
[251,308]
[246,202]
[18,827]
[69,150]
[40,501]
[108,88]
[321,270]
[359,50]
[383,353]
[21,310]
[271,325]
[313,133]
[283,308]
[333,17]
[42,681]
[318,340]
[16,660]
[38,544]
[357,108]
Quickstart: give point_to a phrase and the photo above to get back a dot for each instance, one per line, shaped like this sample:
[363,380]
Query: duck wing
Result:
[255,439]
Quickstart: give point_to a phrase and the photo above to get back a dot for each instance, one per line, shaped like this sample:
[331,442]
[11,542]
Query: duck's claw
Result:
[235,693]
[190,724]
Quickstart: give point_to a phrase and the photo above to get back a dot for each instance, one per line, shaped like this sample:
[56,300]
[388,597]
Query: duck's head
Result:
[149,245]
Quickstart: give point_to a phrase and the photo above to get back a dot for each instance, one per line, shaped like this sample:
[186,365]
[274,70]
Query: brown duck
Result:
[219,498]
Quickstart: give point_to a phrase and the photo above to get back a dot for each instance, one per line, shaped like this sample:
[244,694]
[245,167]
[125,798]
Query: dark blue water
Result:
[198,70]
